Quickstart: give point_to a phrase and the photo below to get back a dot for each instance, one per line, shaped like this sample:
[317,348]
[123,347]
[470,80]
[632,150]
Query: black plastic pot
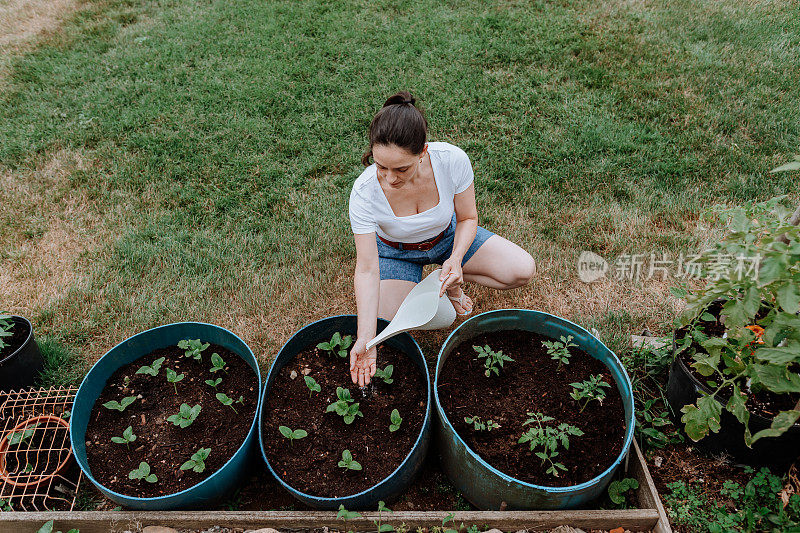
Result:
[778,453]
[20,368]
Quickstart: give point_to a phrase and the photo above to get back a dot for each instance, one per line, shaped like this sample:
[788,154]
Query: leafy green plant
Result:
[453,529]
[382,528]
[126,438]
[588,390]
[120,406]
[559,351]
[337,345]
[19,437]
[395,420]
[173,377]
[344,514]
[385,374]
[654,425]
[479,425]
[754,269]
[348,462]
[344,406]
[492,359]
[143,472]
[48,528]
[292,435]
[194,348]
[213,382]
[753,507]
[153,369]
[217,363]
[6,325]
[548,439]
[618,488]
[186,416]
[197,462]
[6,506]
[224,400]
[312,385]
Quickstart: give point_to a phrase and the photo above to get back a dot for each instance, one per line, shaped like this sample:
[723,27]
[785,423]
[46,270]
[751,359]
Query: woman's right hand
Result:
[362,362]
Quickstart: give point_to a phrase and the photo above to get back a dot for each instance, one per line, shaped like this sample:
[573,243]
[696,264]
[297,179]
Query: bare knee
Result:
[522,272]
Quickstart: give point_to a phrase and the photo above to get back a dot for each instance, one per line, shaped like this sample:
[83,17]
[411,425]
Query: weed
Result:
[382,528]
[6,325]
[48,528]
[344,514]
[20,437]
[618,488]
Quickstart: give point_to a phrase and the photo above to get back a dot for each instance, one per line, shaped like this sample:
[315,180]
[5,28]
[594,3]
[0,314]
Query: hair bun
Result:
[401,98]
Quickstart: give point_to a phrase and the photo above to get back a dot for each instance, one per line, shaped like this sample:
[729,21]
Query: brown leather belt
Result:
[423,246]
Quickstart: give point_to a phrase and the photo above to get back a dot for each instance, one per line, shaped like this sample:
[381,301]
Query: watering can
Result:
[423,308]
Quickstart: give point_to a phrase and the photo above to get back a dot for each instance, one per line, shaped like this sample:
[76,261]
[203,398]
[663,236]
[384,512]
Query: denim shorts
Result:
[407,264]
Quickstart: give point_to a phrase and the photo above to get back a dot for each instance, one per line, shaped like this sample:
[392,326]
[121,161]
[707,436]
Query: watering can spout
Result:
[423,308]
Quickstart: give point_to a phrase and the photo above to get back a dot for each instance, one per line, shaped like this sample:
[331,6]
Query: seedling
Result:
[348,462]
[126,438]
[493,359]
[186,415]
[479,425]
[337,345]
[312,385]
[617,489]
[589,390]
[548,438]
[224,400]
[452,519]
[344,514]
[143,472]
[6,507]
[151,370]
[197,462]
[21,436]
[120,406]
[28,468]
[344,406]
[385,374]
[194,348]
[213,382]
[559,351]
[6,325]
[292,435]
[48,527]
[396,421]
[173,377]
[382,528]
[217,363]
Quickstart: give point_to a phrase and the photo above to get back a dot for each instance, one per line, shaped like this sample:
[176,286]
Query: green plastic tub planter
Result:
[209,490]
[397,482]
[19,369]
[483,485]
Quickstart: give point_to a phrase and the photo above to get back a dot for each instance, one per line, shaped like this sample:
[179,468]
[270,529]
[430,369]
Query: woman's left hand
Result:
[451,274]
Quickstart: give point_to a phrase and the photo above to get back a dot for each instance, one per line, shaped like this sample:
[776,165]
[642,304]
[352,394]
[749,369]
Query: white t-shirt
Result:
[370,210]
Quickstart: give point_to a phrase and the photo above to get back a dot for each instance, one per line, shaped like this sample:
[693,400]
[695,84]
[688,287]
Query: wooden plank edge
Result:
[103,521]
[648,494]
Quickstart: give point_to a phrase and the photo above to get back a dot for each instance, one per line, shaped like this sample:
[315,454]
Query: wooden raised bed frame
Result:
[649,516]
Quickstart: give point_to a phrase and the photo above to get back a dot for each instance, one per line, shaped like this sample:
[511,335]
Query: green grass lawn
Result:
[191,160]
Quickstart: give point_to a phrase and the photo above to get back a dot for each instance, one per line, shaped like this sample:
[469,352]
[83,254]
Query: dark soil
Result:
[531,384]
[310,465]
[764,403]
[38,455]
[159,443]
[19,332]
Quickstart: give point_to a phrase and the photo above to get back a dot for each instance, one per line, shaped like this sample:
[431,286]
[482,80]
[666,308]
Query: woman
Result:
[415,205]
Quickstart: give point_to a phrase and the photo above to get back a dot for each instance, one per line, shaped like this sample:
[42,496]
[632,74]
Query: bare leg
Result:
[499,264]
[392,294]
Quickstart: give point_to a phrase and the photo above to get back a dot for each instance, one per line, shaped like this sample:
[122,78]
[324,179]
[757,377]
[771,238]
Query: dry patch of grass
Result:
[23,21]
[53,229]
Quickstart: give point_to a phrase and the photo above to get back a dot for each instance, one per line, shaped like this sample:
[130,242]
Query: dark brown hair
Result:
[399,122]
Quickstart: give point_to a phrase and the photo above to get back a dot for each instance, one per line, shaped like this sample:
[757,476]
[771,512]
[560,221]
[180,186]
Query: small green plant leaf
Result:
[120,406]
[217,363]
[348,462]
[396,420]
[152,369]
[312,385]
[186,416]
[213,382]
[143,472]
[617,489]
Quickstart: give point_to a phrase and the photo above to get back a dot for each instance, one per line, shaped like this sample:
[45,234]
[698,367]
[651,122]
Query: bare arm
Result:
[466,228]
[366,283]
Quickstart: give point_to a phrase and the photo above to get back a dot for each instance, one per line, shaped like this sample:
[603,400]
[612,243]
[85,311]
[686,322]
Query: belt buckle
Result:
[425,246]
